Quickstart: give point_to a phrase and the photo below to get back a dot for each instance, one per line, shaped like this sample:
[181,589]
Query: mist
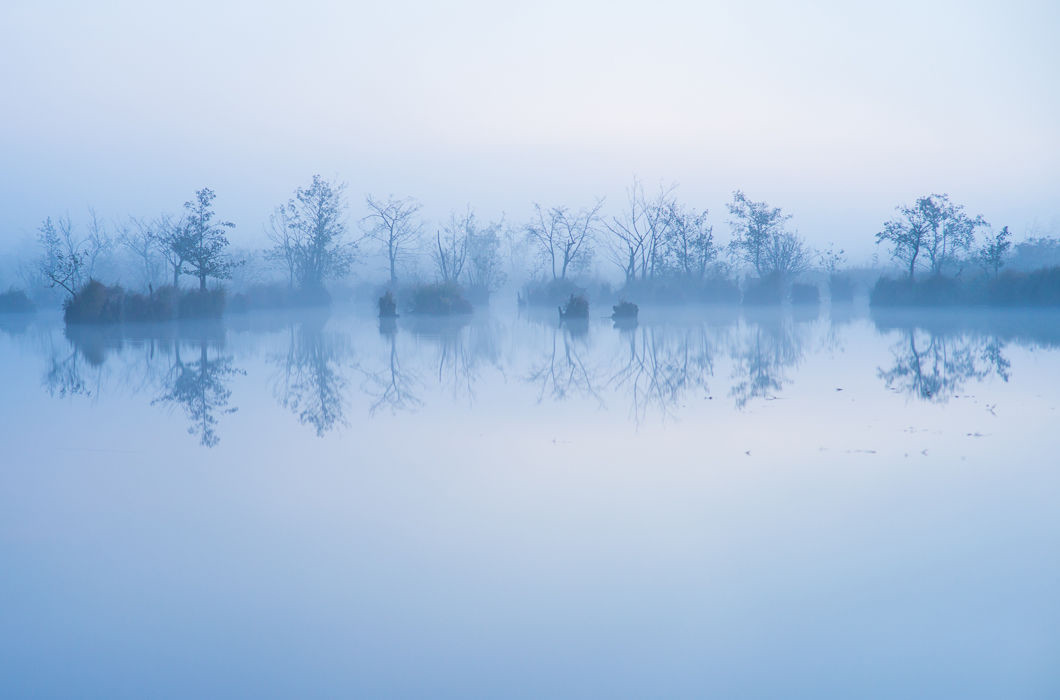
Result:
[560,350]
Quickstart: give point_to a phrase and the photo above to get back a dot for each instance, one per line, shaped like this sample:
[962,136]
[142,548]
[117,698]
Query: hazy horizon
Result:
[836,115]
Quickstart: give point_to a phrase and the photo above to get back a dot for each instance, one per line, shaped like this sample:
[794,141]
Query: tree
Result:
[933,227]
[992,253]
[688,242]
[140,238]
[282,252]
[755,228]
[171,239]
[311,241]
[484,262]
[391,223]
[203,242]
[563,238]
[638,234]
[62,262]
[785,255]
[451,246]
[96,244]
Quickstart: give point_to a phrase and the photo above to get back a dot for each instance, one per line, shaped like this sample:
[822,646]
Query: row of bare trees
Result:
[311,242]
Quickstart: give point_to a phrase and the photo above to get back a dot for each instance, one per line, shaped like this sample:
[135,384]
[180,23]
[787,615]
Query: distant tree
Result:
[688,242]
[756,227]
[563,238]
[96,244]
[312,241]
[391,223]
[786,255]
[451,246]
[831,259]
[204,241]
[282,253]
[934,228]
[62,262]
[140,238]
[485,264]
[991,255]
[638,234]
[171,239]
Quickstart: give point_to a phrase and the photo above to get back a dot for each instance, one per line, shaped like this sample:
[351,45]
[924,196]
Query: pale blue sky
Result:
[834,111]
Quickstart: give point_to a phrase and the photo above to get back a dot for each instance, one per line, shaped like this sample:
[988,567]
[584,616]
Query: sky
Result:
[834,111]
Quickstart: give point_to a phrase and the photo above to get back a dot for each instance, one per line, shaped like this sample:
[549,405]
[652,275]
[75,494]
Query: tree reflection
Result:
[310,382]
[562,371]
[933,366]
[391,386]
[198,387]
[660,367]
[762,355]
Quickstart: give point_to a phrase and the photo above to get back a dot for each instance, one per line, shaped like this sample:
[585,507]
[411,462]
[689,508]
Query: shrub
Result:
[441,299]
[195,303]
[768,290]
[95,303]
[577,307]
[387,305]
[840,288]
[15,301]
[624,310]
[1011,288]
[677,290]
[805,294]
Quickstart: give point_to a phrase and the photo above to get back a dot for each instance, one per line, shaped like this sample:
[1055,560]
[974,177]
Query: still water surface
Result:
[714,503]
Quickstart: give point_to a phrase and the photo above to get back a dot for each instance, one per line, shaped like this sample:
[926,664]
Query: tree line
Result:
[652,236]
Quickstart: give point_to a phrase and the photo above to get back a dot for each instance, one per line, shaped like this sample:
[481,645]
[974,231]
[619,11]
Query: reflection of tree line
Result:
[657,367]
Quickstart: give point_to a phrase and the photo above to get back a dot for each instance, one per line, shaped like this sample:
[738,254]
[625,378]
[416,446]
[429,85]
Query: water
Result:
[714,503]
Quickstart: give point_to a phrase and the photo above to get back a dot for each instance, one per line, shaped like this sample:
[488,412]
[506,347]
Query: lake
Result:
[715,503]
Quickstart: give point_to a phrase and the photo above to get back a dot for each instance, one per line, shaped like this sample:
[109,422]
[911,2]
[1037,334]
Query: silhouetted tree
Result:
[141,239]
[313,244]
[991,255]
[563,238]
[391,223]
[63,261]
[756,227]
[451,247]
[203,241]
[934,228]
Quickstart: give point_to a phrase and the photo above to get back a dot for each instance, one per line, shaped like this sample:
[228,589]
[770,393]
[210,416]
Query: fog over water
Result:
[716,501]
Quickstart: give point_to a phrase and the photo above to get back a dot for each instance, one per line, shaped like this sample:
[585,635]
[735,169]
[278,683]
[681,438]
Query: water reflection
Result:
[654,369]
[387,382]
[199,388]
[662,365]
[311,380]
[763,354]
[562,370]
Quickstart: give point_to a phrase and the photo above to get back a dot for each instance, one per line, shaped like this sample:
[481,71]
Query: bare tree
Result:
[62,262]
[96,244]
[282,252]
[637,235]
[563,238]
[170,239]
[991,255]
[392,224]
[786,255]
[140,238]
[451,246]
[484,262]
